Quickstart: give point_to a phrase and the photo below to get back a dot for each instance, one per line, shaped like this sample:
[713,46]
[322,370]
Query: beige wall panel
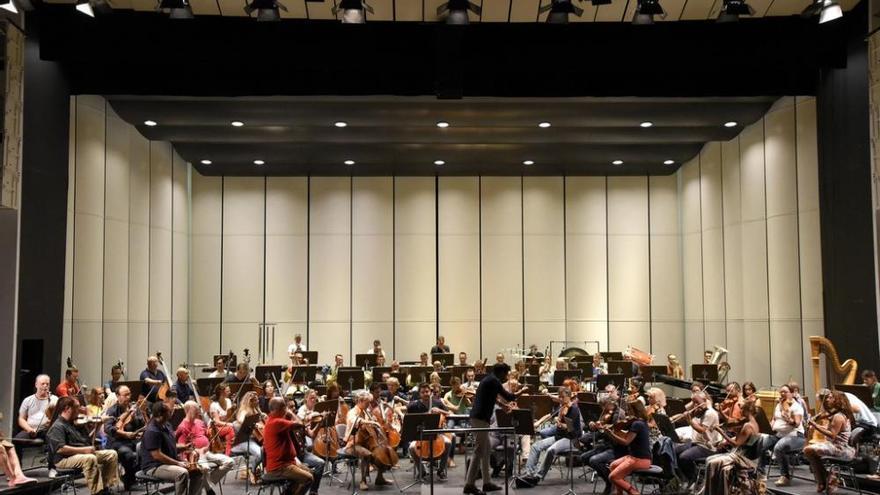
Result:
[114,348]
[716,333]
[627,206]
[181,194]
[414,260]
[243,205]
[692,276]
[372,253]
[628,292]
[810,265]
[501,206]
[787,355]
[713,274]
[544,259]
[757,348]
[68,242]
[541,333]
[809,228]
[330,210]
[180,302]
[88,252]
[666,287]
[781,166]
[408,10]
[205,279]
[692,263]
[664,205]
[160,185]
[782,255]
[585,208]
[695,343]
[586,263]
[205,340]
[587,334]
[502,278]
[752,172]
[495,10]
[736,357]
[115,284]
[754,271]
[462,336]
[138,272]
[362,335]
[807,155]
[138,347]
[711,212]
[287,206]
[329,279]
[732,230]
[711,217]
[159,341]
[239,336]
[611,13]
[634,333]
[207,206]
[526,11]
[160,291]
[696,10]
[90,157]
[667,337]
[84,348]
[242,279]
[501,336]
[412,338]
[117,170]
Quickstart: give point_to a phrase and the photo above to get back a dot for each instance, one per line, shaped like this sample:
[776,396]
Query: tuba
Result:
[637,356]
[723,366]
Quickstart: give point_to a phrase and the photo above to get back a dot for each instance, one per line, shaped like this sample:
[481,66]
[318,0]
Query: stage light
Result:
[150,123]
[617,162]
[353,11]
[646,124]
[259,162]
[828,10]
[9,6]
[646,10]
[731,124]
[443,124]
[84,7]
[267,10]
[732,9]
[236,123]
[458,11]
[340,124]
[206,162]
[669,162]
[544,125]
[439,162]
[528,162]
[349,162]
[559,10]
[176,9]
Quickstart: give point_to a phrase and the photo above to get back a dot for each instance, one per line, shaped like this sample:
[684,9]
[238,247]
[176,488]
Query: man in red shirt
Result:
[69,387]
[281,460]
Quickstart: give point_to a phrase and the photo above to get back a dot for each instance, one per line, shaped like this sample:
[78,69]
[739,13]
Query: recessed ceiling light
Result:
[668,162]
[617,162]
[731,124]
[341,124]
[544,125]
[206,162]
[528,162]
[439,162]
[237,123]
[443,124]
[349,162]
[646,124]
[259,162]
[150,123]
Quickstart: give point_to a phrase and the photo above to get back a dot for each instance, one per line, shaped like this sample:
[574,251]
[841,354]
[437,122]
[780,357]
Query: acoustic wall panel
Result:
[667,304]
[287,211]
[415,268]
[243,269]
[179,261]
[330,266]
[68,241]
[712,242]
[733,287]
[586,262]
[544,259]
[372,305]
[692,262]
[628,263]
[206,268]
[458,259]
[502,264]
[138,249]
[160,251]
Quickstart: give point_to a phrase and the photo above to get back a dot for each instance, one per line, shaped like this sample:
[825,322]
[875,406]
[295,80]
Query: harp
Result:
[835,371]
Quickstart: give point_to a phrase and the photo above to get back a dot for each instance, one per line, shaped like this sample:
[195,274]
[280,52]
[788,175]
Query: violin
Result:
[694,412]
[126,417]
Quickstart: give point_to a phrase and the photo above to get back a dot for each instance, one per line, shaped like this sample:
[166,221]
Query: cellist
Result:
[427,404]
[357,416]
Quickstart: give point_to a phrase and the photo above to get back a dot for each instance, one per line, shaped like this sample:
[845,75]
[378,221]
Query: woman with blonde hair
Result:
[247,446]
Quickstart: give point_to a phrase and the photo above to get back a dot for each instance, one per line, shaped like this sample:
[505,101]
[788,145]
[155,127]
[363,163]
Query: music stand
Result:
[459,371]
[533,369]
[539,405]
[349,380]
[603,381]
[649,373]
[612,356]
[620,367]
[411,430]
[365,360]
[263,371]
[522,422]
[532,381]
[134,386]
[310,357]
[559,376]
[421,374]
[304,373]
[704,373]
[862,392]
[206,386]
[586,396]
[590,411]
[176,417]
[401,377]
[445,378]
[586,369]
[446,359]
[244,435]
[331,407]
[379,370]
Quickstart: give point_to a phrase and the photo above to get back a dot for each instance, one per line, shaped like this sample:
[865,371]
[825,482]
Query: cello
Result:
[432,449]
[371,437]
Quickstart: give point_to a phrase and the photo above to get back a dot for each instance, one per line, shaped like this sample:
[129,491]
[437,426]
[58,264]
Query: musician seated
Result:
[520,367]
[561,364]
[703,420]
[427,404]
[268,393]
[601,451]
[242,374]
[865,420]
[559,438]
[220,370]
[380,360]
[70,446]
[463,359]
[869,379]
[32,417]
[171,401]
[152,378]
[836,432]
[479,367]
[788,437]
[192,430]
[731,407]
[458,400]
[796,395]
[499,358]
[124,425]
[358,415]
[438,366]
[440,347]
[470,380]
[338,362]
[656,401]
[297,345]
[750,394]
[599,367]
[183,386]
[11,466]
[636,439]
[159,455]
[115,377]
[70,386]
[281,454]
[245,445]
[423,359]
[721,468]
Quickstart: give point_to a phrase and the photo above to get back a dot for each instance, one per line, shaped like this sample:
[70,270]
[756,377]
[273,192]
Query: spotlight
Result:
[458,11]
[341,124]
[9,5]
[150,123]
[544,125]
[528,162]
[443,124]
[259,162]
[646,10]
[353,11]
[206,162]
[176,9]
[617,162]
[84,7]
[828,10]
[349,162]
[559,10]
[646,124]
[439,162]
[267,10]
[732,9]
[236,123]
[669,162]
[730,124]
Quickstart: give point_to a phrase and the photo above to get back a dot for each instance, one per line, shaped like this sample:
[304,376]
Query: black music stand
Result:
[523,423]
[531,381]
[586,396]
[704,373]
[421,374]
[620,367]
[239,389]
[533,369]
[206,386]
[590,411]
[331,407]
[244,435]
[649,373]
[379,370]
[862,392]
[349,380]
[612,356]
[365,360]
[263,371]
[446,359]
[310,356]
[559,376]
[304,373]
[445,378]
[459,371]
[401,377]
[603,381]
[414,424]
[586,368]
[539,405]
[176,417]
[134,386]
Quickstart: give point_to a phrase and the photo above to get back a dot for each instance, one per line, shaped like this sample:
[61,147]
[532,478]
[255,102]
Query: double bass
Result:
[371,437]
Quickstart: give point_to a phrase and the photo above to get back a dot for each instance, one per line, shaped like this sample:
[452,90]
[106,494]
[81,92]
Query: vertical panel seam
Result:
[522,247]
[766,243]
[436,255]
[171,267]
[564,261]
[607,277]
[222,243]
[351,265]
[702,260]
[265,242]
[73,229]
[149,243]
[103,251]
[650,278]
[480,252]
[723,247]
[797,223]
[309,256]
[394,267]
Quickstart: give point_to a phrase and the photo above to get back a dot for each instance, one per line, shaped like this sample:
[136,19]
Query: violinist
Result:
[124,426]
[282,457]
[557,439]
[115,377]
[602,451]
[359,415]
[750,394]
[636,439]
[702,419]
[242,375]
[788,438]
[721,468]
[247,445]
[151,379]
[656,401]
[217,411]
[159,454]
[427,404]
[731,406]
[32,418]
[458,399]
[462,359]
[307,410]
[268,393]
[220,370]
[839,416]
[70,386]
[192,431]
[183,386]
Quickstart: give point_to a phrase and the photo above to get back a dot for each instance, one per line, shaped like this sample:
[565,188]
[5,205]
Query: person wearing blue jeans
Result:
[560,438]
[789,438]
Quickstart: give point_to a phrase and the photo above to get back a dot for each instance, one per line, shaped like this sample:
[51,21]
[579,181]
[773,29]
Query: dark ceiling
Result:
[398,135]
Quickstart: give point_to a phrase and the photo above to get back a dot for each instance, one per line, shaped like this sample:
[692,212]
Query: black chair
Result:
[68,478]
[837,467]
[152,484]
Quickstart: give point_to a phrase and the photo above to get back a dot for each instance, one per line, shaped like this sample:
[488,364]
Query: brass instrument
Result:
[575,354]
[835,371]
[673,367]
[723,366]
[637,356]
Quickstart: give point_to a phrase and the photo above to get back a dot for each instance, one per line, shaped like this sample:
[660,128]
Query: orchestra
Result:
[192,437]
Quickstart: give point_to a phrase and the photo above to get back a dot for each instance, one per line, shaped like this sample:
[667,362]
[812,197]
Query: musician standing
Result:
[481,415]
[297,345]
[183,386]
[441,347]
[70,447]
[70,386]
[158,455]
[124,440]
[151,379]
[281,454]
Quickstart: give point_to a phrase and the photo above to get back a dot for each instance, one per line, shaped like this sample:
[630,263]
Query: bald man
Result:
[151,379]
[124,440]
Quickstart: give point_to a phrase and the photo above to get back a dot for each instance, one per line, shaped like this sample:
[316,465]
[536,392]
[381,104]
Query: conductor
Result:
[481,414]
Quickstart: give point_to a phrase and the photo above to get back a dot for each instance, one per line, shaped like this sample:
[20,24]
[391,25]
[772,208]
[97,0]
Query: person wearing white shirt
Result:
[297,345]
[788,424]
[220,370]
[866,421]
[376,349]
[32,417]
[704,440]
